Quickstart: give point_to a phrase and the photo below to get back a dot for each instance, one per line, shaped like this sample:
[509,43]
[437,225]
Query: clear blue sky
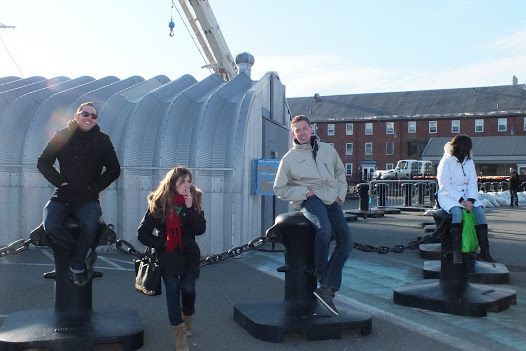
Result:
[316,46]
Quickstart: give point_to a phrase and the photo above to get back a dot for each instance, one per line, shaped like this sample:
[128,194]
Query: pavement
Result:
[368,283]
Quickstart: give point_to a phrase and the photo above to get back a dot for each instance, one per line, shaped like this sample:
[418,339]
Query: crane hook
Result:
[171,25]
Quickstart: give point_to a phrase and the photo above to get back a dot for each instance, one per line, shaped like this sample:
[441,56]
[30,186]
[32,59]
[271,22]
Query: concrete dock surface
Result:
[368,283]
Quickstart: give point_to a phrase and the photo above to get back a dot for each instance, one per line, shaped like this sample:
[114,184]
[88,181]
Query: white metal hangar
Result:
[214,127]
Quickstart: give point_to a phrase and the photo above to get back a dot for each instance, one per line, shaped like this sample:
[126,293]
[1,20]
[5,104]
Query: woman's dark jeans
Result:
[180,296]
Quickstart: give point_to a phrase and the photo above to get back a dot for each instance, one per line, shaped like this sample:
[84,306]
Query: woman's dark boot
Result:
[482,236]
[456,242]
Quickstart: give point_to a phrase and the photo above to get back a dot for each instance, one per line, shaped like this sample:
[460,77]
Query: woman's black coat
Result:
[185,260]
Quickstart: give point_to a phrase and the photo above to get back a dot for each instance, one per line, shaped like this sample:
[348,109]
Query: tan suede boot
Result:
[188,324]
[179,333]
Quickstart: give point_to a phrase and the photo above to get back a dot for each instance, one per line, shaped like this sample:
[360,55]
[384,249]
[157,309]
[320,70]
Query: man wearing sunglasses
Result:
[87,164]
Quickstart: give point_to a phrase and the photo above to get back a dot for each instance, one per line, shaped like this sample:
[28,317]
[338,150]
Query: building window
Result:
[503,125]
[330,129]
[389,127]
[432,126]
[415,148]
[368,149]
[455,126]
[389,148]
[368,129]
[349,128]
[348,149]
[411,127]
[389,166]
[348,169]
[479,125]
[315,128]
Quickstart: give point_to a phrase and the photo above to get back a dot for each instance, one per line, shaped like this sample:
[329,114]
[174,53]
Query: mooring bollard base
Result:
[430,251]
[46,328]
[387,210]
[365,213]
[483,272]
[475,300]
[269,321]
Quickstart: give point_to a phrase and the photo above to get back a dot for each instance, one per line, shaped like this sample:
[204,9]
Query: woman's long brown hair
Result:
[161,200]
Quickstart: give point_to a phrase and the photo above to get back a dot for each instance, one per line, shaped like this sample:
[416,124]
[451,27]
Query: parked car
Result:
[407,169]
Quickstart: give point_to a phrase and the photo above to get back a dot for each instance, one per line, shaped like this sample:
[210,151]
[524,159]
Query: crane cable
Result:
[11,56]
[171,25]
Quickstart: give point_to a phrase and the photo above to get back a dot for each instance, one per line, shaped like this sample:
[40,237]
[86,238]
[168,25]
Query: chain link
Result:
[236,251]
[382,250]
[15,247]
[127,248]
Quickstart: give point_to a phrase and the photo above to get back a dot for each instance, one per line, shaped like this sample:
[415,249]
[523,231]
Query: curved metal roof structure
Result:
[214,127]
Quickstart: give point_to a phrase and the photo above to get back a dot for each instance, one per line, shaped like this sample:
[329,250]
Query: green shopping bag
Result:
[469,236]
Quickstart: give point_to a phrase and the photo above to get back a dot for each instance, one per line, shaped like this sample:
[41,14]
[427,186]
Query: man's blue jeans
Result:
[88,216]
[478,212]
[180,296]
[329,222]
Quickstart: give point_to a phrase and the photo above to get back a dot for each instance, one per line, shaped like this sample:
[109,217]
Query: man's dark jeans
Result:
[180,296]
[514,197]
[328,220]
[88,216]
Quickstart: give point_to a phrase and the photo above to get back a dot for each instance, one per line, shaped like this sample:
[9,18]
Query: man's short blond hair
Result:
[299,118]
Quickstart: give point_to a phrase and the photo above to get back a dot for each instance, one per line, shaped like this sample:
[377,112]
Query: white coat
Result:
[456,180]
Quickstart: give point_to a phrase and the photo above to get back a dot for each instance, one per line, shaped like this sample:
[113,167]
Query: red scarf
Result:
[173,225]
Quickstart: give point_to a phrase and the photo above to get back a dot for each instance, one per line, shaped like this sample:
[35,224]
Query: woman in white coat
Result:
[457,182]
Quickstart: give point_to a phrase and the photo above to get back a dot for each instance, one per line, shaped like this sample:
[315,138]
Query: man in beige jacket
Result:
[311,176]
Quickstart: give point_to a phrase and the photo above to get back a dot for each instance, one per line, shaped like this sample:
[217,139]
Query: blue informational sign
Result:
[264,173]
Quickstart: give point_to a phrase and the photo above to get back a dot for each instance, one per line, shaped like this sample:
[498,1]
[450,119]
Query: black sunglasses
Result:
[87,114]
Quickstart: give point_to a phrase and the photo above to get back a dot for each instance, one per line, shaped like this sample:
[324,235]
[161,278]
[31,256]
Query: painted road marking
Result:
[110,262]
[373,285]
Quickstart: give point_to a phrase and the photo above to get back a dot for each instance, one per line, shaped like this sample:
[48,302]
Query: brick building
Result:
[374,131]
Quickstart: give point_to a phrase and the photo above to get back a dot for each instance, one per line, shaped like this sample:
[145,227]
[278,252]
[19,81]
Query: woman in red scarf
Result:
[173,219]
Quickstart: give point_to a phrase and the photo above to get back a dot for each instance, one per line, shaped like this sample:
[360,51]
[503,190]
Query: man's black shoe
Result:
[78,278]
[90,260]
[324,295]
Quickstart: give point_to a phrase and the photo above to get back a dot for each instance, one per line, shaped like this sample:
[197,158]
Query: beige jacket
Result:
[298,172]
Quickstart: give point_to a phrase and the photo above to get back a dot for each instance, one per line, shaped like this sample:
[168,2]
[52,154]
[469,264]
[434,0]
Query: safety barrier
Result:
[403,193]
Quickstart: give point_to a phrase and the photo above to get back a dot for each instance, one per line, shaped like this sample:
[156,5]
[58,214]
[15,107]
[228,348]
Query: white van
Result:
[407,169]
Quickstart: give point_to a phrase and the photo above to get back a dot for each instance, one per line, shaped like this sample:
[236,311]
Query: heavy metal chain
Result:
[236,251]
[412,245]
[15,247]
[127,248]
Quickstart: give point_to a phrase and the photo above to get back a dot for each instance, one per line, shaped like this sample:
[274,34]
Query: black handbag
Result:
[148,273]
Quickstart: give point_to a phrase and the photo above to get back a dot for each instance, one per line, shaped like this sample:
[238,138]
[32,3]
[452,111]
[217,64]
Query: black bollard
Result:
[452,293]
[363,193]
[363,206]
[72,324]
[299,311]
